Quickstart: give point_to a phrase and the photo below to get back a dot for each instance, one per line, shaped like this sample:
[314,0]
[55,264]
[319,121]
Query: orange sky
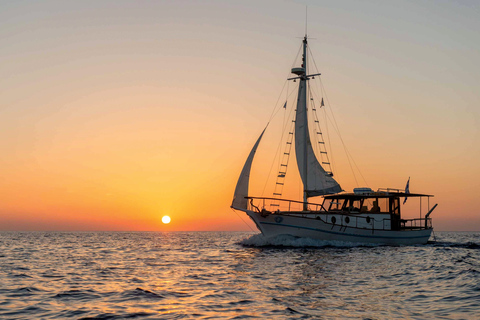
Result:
[114,114]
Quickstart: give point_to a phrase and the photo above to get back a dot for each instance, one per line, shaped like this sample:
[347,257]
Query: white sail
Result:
[316,180]
[241,190]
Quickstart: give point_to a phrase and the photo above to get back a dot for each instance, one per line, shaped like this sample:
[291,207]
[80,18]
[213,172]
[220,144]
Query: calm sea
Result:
[232,275]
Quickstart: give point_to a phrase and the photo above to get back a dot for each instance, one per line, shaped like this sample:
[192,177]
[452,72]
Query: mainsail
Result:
[241,191]
[316,180]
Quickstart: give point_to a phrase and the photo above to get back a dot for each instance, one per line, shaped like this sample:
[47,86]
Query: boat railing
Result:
[418,223]
[388,190]
[274,205]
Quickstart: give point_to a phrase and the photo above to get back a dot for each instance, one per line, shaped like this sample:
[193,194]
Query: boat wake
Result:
[288,241]
[466,245]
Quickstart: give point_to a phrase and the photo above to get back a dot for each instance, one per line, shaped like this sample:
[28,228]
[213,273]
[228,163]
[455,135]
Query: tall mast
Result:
[303,86]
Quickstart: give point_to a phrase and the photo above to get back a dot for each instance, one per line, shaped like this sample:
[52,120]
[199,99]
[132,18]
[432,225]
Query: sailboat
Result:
[363,216]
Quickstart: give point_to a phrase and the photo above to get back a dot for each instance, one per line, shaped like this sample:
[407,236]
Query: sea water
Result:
[234,275]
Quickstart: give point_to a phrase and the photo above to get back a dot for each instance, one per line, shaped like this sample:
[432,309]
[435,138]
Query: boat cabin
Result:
[383,204]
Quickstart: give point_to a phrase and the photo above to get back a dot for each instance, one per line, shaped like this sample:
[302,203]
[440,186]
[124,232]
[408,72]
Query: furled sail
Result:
[241,190]
[316,180]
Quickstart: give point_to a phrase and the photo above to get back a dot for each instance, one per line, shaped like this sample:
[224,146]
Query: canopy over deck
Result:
[378,194]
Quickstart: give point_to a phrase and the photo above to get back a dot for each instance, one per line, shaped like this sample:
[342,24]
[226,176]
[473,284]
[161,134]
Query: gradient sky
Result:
[115,113]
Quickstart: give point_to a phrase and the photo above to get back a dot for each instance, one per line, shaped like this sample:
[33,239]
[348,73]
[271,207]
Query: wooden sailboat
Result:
[361,216]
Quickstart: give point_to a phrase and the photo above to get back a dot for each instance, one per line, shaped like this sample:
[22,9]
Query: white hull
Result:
[305,227]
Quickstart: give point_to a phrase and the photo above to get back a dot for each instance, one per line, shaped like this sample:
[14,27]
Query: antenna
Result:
[306,19]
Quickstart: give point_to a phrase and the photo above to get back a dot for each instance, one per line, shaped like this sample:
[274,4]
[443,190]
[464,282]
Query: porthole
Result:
[347,219]
[368,219]
[334,220]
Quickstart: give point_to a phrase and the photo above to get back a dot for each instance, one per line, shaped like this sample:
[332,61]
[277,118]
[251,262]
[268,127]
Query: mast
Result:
[303,86]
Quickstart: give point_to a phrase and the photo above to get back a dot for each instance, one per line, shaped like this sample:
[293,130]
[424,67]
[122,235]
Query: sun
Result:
[166,219]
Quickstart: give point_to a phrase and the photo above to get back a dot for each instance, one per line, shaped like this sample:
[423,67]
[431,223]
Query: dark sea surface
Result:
[232,275]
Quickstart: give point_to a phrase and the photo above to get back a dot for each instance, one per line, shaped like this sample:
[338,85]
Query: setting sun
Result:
[166,219]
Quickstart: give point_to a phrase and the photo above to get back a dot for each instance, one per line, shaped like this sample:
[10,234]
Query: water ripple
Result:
[94,275]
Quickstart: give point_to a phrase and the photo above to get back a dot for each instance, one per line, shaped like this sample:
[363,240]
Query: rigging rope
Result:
[274,113]
[242,219]
[276,103]
[337,130]
[317,140]
[285,125]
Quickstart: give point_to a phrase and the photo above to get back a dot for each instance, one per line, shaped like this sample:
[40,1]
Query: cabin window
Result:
[383,204]
[326,203]
[375,205]
[333,204]
[353,205]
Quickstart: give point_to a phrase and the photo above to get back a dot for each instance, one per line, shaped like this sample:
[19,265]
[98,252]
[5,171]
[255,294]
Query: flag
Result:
[322,104]
[285,105]
[407,189]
